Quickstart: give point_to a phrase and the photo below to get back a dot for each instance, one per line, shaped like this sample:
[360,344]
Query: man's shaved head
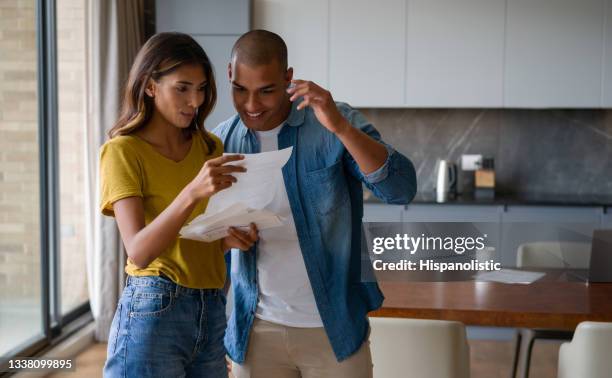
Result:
[260,47]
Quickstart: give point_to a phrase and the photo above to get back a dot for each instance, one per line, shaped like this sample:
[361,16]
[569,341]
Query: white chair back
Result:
[419,348]
[589,354]
[554,255]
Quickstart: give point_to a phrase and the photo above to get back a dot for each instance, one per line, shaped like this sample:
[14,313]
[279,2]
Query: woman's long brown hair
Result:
[160,55]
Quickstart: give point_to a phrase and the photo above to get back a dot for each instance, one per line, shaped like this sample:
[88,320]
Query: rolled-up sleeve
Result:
[382,172]
[395,181]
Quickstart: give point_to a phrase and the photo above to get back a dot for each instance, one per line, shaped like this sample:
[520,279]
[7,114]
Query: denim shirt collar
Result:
[295,119]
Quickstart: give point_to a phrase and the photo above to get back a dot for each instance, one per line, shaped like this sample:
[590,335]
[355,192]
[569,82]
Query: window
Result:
[43,282]
[71,127]
[20,265]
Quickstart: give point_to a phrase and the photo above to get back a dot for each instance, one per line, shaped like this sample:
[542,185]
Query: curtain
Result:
[115,32]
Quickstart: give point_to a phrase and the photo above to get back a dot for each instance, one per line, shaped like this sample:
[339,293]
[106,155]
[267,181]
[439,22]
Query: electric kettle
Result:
[447,180]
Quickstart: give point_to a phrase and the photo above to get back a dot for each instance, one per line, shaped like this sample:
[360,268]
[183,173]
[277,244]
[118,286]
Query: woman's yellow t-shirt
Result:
[131,167]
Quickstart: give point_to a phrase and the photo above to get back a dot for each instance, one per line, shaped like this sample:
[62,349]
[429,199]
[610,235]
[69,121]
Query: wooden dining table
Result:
[556,302]
[553,302]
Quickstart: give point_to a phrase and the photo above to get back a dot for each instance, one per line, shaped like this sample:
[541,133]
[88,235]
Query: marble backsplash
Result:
[567,152]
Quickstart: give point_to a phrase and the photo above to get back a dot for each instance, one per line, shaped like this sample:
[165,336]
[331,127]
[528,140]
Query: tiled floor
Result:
[489,359]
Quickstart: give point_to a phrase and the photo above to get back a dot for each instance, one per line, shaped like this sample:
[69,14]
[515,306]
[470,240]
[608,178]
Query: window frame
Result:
[55,326]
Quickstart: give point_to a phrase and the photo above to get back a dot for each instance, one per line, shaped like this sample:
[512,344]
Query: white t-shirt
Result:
[285,294]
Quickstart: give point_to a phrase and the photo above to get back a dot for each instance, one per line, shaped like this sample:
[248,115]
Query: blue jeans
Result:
[162,329]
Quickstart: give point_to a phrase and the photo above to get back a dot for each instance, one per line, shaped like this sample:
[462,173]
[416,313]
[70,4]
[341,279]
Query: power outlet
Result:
[471,162]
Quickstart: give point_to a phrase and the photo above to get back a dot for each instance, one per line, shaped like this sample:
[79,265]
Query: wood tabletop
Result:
[550,303]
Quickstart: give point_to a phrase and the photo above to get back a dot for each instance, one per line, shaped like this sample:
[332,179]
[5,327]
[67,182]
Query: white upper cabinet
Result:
[304,27]
[367,52]
[209,17]
[554,53]
[450,53]
[455,53]
[607,67]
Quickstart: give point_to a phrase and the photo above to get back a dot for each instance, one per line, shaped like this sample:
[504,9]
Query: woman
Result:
[158,171]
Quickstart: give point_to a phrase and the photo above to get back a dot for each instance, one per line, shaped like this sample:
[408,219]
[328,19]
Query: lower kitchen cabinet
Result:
[506,227]
[380,212]
[606,218]
[527,224]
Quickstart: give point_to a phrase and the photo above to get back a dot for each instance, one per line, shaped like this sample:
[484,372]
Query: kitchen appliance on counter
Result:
[484,180]
[446,183]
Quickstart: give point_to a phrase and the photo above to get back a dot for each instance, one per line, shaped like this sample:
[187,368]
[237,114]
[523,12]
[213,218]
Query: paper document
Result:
[211,228]
[245,201]
[510,276]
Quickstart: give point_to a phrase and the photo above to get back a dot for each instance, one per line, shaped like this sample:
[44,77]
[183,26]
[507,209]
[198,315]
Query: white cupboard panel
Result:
[367,52]
[304,28]
[607,67]
[553,53]
[455,52]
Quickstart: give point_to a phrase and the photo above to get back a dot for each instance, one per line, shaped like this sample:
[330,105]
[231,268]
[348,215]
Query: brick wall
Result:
[19,203]
[19,170]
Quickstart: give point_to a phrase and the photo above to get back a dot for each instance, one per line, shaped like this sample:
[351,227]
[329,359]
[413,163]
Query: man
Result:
[300,306]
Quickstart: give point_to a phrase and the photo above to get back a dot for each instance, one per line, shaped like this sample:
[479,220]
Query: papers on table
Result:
[510,276]
[245,201]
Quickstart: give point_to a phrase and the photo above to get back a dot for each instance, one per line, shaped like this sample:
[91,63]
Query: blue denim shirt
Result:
[324,186]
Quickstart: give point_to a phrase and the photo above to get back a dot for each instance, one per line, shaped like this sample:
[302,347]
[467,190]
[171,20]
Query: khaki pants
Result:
[288,352]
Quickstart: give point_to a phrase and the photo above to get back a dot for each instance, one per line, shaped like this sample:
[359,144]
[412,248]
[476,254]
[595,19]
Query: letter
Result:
[377,248]
[434,239]
[448,243]
[389,243]
[459,245]
[376,266]
[398,242]
[415,244]
[469,244]
[480,242]
[405,240]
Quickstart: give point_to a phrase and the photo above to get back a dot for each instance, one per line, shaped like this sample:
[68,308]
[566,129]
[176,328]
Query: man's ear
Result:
[229,71]
[289,75]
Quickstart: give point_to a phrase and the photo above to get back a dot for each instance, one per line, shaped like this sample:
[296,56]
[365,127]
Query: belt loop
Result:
[177,288]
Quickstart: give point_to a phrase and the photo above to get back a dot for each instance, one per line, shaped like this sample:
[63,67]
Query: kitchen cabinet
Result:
[215,25]
[449,53]
[606,218]
[525,224]
[452,213]
[506,226]
[464,221]
[305,28]
[374,212]
[455,58]
[367,52]
[607,67]
[553,53]
[209,17]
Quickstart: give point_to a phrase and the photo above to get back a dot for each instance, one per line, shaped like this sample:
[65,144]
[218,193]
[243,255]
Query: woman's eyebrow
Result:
[189,82]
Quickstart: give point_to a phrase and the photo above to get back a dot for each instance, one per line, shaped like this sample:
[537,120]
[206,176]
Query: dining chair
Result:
[554,255]
[588,354]
[419,348]
[550,255]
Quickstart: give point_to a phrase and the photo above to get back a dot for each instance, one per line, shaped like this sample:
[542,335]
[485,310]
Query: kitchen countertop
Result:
[539,199]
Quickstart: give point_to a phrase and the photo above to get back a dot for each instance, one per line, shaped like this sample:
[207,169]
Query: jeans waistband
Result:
[165,283]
